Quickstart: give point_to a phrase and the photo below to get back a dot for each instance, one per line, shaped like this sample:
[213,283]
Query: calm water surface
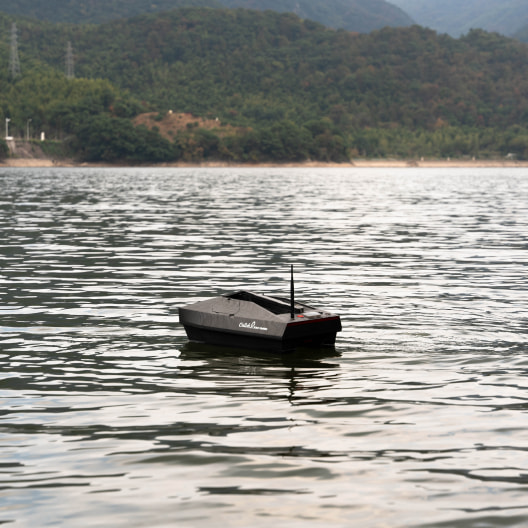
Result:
[109,417]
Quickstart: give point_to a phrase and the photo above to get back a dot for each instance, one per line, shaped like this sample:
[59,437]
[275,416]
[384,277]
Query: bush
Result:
[4,150]
[103,138]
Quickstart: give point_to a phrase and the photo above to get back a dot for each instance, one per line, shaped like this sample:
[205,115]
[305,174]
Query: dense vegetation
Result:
[457,17]
[289,89]
[355,15]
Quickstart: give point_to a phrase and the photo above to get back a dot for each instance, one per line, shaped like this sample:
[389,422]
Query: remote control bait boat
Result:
[250,320]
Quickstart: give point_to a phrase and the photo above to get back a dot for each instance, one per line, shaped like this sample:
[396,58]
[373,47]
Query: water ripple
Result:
[109,416]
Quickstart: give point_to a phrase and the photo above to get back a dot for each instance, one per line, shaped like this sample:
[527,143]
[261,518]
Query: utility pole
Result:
[69,61]
[14,62]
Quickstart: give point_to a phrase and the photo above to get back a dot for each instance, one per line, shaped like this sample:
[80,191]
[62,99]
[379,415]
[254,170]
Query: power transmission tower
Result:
[69,61]
[14,62]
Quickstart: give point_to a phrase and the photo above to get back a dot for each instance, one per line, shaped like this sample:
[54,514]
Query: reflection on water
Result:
[109,417]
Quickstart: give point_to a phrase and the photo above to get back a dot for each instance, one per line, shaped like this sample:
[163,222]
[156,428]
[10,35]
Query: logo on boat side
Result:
[252,326]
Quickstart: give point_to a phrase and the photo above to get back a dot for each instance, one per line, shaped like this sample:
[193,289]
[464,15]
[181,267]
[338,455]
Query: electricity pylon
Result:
[14,62]
[69,61]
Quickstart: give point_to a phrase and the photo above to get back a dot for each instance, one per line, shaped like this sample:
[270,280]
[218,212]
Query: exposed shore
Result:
[359,163]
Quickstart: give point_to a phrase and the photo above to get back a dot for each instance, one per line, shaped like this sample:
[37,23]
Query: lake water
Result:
[109,417]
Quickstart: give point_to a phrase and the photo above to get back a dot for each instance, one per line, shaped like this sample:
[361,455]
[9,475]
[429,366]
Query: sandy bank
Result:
[34,162]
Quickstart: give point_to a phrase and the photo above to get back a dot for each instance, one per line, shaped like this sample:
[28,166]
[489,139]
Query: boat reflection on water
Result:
[301,357]
[305,374]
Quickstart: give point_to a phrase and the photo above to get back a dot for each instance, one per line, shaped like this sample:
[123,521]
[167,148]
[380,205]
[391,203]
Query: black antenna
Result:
[292,294]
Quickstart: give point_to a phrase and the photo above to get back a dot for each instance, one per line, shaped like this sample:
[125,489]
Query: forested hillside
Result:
[457,17]
[248,67]
[355,15]
[280,88]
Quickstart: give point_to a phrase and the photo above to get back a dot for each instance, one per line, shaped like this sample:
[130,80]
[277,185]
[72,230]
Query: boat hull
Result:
[252,321]
[322,336]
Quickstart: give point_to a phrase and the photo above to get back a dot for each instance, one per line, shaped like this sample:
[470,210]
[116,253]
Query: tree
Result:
[4,149]
[107,139]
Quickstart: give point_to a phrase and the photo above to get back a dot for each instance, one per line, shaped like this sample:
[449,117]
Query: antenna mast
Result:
[292,294]
[14,62]
[69,61]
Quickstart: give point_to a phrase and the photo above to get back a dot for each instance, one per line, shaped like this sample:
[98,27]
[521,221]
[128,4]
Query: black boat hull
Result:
[248,320]
[289,342]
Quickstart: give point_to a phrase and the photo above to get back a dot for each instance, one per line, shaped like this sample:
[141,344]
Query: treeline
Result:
[290,89]
[104,138]
[112,139]
[44,100]
[107,138]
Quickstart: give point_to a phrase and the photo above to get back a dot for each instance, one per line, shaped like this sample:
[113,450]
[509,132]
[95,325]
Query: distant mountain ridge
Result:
[522,34]
[361,16]
[93,11]
[457,17]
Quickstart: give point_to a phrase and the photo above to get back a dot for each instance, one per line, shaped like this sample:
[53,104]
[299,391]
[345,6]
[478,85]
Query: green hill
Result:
[355,15]
[248,66]
[288,88]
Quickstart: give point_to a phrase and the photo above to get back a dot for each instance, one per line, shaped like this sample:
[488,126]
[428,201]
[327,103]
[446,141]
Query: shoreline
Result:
[358,163]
